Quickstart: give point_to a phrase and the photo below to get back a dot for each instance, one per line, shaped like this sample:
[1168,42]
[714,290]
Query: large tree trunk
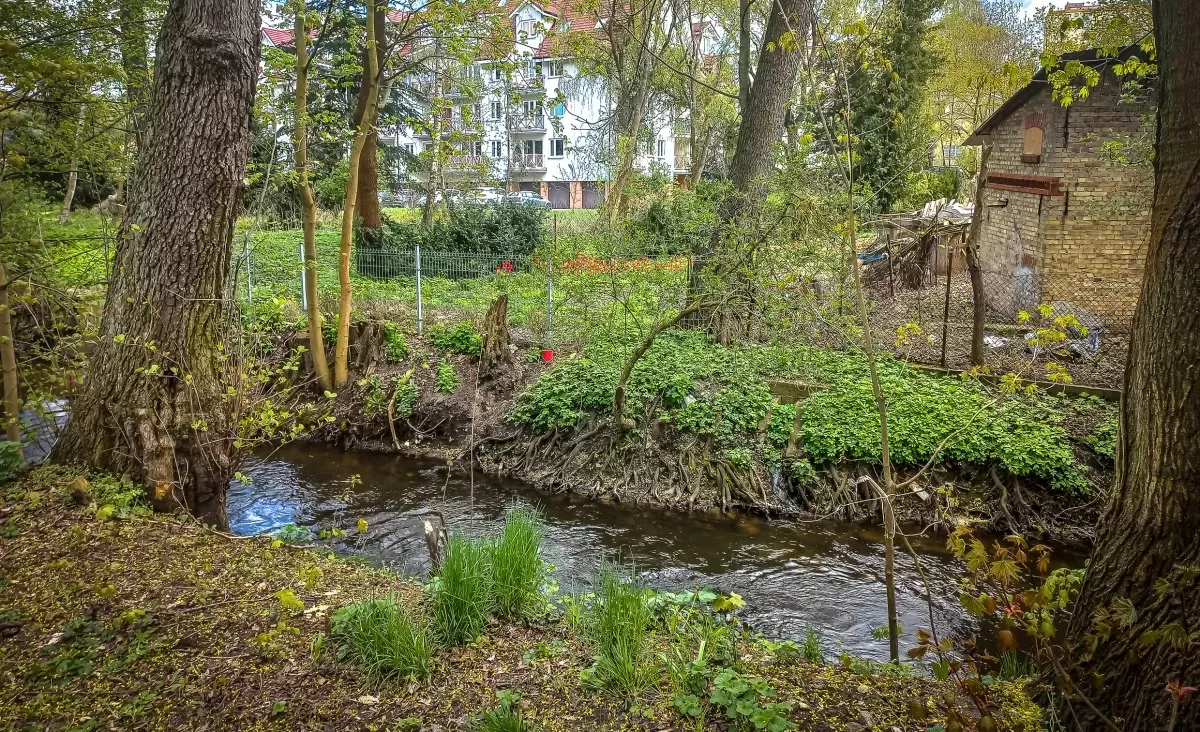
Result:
[762,122]
[341,351]
[1148,540]
[153,403]
[316,338]
[368,166]
[760,130]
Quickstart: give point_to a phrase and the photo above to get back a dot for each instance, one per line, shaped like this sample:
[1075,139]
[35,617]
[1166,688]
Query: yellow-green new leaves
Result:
[289,600]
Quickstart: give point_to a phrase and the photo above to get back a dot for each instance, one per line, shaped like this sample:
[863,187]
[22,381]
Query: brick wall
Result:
[1086,246]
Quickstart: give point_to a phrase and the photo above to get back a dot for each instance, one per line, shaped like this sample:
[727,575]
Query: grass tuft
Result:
[517,568]
[462,593]
[504,717]
[379,636]
[619,625]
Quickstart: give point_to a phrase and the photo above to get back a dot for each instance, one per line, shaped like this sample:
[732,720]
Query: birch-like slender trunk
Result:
[316,338]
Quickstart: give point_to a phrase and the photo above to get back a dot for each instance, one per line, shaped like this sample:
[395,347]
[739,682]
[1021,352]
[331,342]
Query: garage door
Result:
[560,194]
[593,195]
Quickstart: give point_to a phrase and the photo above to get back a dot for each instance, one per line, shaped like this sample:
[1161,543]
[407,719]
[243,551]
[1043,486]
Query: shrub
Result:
[503,231]
[618,627]
[462,593]
[1104,438]
[457,338]
[379,636]
[517,570]
[395,345]
[447,378]
[10,460]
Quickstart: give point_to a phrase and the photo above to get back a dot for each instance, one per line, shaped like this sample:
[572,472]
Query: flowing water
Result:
[791,574]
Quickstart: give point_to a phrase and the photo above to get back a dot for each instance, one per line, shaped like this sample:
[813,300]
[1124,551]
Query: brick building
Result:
[1065,220]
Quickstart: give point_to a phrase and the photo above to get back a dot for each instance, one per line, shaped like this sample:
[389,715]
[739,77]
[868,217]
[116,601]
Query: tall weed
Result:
[517,568]
[462,594]
[618,626]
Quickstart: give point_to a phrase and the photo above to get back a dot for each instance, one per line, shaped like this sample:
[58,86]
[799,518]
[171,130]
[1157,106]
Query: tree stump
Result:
[495,337]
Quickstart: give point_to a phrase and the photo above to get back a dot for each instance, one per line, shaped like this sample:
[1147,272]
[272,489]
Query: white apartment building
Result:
[525,118]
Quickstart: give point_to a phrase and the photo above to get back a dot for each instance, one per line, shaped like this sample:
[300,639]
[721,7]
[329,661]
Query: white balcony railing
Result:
[529,124]
[683,162]
[531,161]
[461,162]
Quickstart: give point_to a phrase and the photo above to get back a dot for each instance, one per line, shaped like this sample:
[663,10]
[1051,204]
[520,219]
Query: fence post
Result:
[550,285]
[420,312]
[946,307]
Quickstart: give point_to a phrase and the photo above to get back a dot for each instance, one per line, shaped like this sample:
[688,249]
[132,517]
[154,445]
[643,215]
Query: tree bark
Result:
[1148,539]
[153,405]
[316,338]
[971,250]
[368,170]
[8,361]
[762,122]
[760,130]
[495,336]
[341,353]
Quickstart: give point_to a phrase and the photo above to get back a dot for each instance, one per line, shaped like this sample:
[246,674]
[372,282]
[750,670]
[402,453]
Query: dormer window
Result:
[1035,131]
[526,29]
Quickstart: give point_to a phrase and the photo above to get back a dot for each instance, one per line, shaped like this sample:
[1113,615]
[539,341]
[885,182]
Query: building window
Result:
[556,147]
[1031,147]
[555,69]
[662,149]
[526,29]
[476,112]
[534,69]
[408,148]
[530,108]
[497,149]
[497,110]
[560,110]
[497,73]
[475,148]
[532,147]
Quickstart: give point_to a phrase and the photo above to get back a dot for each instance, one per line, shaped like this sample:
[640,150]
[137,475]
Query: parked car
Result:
[527,198]
[488,195]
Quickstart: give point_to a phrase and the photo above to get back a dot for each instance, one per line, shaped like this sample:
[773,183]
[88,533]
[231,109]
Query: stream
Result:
[791,574]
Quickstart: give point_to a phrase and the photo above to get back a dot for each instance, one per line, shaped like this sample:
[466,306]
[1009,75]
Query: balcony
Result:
[464,162]
[683,163]
[448,126]
[531,161]
[536,123]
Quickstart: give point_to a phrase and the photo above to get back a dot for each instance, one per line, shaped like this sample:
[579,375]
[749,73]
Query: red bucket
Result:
[547,354]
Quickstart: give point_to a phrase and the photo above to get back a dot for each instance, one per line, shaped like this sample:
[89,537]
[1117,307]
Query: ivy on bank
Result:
[700,387]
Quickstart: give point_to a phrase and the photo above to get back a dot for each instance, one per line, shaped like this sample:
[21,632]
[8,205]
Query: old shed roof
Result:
[1091,57]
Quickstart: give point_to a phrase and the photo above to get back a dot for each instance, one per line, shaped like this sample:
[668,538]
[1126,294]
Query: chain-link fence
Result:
[566,298]
[932,288]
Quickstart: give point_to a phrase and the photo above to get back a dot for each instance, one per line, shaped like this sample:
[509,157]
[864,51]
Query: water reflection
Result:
[791,575]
